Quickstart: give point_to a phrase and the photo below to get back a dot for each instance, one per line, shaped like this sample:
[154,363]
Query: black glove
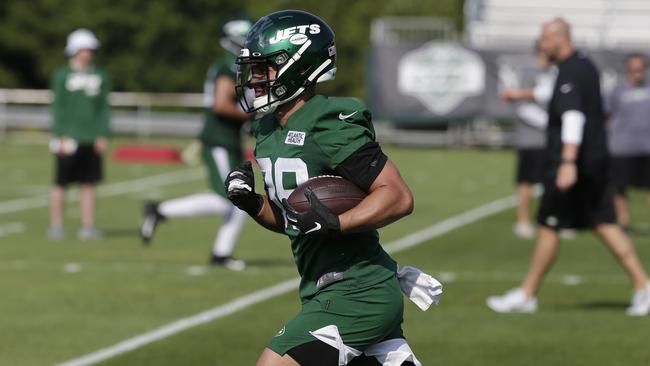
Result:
[240,188]
[318,220]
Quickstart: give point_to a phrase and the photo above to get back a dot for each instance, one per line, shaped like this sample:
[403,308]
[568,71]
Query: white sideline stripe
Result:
[12,228]
[450,224]
[282,288]
[109,190]
[185,323]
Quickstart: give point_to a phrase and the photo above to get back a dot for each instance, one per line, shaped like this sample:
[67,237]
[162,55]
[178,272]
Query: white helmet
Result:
[234,35]
[81,39]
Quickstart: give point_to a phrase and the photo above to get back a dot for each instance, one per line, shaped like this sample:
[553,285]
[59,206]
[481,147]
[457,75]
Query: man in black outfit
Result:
[576,194]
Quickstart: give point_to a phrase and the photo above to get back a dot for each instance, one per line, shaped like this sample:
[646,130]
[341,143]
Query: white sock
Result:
[200,204]
[233,222]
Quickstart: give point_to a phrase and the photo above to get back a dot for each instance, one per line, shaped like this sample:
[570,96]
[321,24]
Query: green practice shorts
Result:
[220,161]
[363,317]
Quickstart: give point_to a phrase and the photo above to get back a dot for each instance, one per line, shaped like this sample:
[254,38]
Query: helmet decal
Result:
[294,58]
[290,32]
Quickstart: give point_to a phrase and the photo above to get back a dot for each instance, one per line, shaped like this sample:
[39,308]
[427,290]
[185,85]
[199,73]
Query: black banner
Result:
[443,82]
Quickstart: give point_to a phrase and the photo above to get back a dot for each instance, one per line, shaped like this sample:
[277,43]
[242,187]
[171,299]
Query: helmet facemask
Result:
[258,87]
[275,90]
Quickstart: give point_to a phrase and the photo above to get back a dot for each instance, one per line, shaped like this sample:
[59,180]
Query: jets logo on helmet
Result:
[295,32]
[299,49]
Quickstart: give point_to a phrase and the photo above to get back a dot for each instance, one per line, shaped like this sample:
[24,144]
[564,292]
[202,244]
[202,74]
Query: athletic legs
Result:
[622,210]
[270,358]
[621,246]
[229,232]
[523,202]
[523,227]
[56,206]
[543,257]
[200,204]
[87,205]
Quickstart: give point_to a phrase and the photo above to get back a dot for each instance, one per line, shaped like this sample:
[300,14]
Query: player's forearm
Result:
[570,152]
[229,110]
[573,122]
[523,94]
[225,100]
[512,95]
[382,207]
[268,217]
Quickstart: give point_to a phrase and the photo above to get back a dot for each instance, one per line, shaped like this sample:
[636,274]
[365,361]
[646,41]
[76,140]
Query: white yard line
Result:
[108,190]
[451,223]
[282,288]
[11,228]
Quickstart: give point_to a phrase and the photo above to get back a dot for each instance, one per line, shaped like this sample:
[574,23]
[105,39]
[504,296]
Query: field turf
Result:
[62,300]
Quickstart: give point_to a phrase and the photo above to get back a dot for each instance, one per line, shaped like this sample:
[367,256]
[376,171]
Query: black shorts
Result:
[530,165]
[630,171]
[588,203]
[83,166]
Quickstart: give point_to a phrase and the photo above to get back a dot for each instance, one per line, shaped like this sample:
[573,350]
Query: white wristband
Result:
[573,123]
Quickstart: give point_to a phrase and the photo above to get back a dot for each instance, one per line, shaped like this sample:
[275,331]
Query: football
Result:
[336,193]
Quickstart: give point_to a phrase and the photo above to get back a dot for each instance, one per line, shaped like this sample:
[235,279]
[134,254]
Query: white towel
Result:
[392,352]
[330,335]
[420,287]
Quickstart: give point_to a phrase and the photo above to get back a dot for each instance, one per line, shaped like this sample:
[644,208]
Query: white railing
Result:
[117,99]
[597,24]
[29,108]
[405,30]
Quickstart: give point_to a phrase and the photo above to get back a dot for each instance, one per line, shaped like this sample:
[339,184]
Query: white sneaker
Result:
[89,233]
[568,234]
[514,301]
[524,230]
[640,305]
[56,233]
[229,262]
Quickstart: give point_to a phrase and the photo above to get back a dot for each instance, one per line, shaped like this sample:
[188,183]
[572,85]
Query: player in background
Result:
[628,109]
[530,138]
[81,118]
[576,187]
[221,151]
[350,294]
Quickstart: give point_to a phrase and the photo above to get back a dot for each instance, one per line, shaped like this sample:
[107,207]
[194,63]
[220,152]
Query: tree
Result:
[166,46]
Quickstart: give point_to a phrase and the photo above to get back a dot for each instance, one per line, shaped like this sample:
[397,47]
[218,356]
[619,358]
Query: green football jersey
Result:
[217,130]
[314,141]
[80,109]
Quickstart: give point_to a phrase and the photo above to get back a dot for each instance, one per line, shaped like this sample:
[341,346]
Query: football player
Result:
[351,300]
[220,151]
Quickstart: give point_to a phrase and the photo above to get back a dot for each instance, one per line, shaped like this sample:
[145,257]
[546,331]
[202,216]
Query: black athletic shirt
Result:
[578,88]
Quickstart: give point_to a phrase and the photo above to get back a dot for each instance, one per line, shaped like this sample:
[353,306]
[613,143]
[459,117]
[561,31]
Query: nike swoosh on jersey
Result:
[316,228]
[343,117]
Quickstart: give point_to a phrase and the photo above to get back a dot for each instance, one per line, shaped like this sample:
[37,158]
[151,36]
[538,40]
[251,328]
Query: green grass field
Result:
[63,300]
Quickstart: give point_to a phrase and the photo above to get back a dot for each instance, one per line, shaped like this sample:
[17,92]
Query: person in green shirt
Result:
[81,119]
[352,307]
[220,151]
